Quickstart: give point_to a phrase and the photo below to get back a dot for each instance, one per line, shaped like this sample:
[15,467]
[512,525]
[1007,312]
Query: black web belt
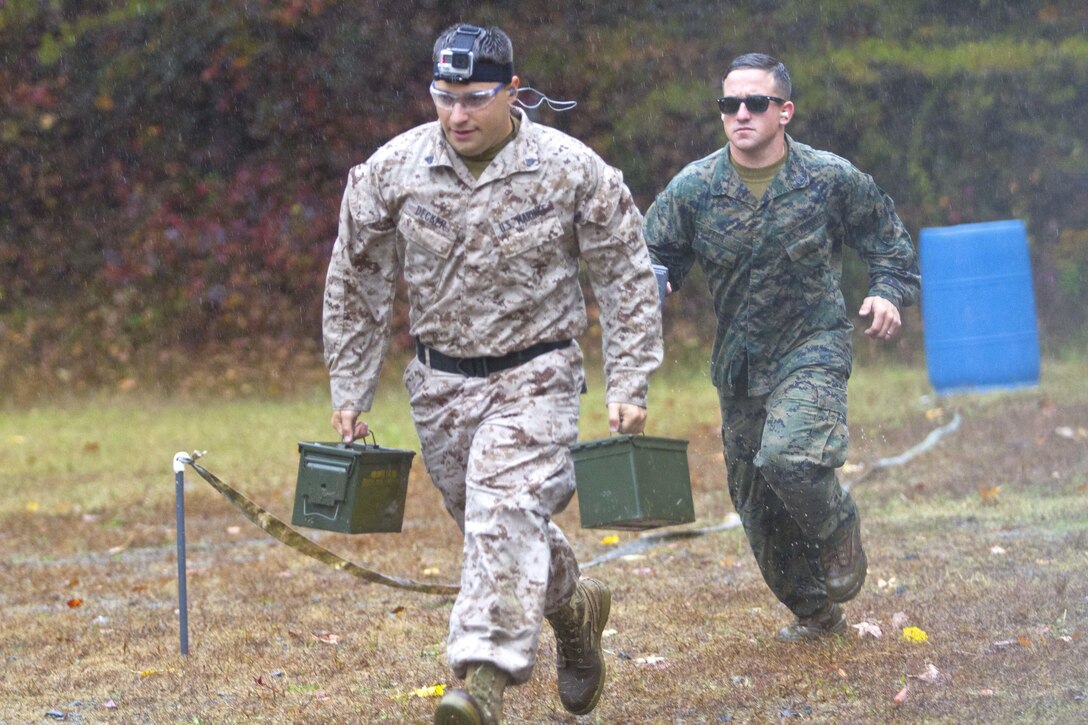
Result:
[481,367]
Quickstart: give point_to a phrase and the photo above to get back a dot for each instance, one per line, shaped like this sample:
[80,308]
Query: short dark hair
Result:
[492,46]
[762,61]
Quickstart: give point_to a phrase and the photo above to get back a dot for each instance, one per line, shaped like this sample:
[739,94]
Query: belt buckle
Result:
[473,367]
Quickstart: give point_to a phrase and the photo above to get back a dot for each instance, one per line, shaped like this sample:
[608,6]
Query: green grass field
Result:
[980,541]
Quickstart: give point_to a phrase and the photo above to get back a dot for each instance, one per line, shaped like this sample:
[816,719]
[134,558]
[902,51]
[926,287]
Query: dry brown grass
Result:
[981,542]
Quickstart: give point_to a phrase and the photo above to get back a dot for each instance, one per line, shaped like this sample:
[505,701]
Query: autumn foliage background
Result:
[172,168]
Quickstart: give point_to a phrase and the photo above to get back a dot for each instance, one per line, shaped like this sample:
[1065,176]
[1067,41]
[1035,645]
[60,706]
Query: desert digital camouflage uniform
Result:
[491,267]
[782,354]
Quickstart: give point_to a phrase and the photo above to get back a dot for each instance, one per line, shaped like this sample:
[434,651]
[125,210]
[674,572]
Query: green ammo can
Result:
[633,482]
[354,488]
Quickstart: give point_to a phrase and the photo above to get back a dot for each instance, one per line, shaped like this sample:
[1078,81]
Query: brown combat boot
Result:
[480,703]
[829,620]
[844,562]
[579,659]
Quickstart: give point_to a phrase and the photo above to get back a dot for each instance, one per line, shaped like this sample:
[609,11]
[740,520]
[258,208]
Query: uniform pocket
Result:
[527,238]
[806,242]
[718,247]
[426,257]
[422,239]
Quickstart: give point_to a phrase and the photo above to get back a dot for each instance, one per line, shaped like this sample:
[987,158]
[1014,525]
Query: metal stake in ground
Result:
[180,459]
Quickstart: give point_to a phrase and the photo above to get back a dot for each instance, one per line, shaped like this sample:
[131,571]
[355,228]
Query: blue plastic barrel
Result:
[978,307]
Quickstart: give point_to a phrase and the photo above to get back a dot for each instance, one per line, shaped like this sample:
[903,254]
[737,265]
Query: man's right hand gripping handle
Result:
[348,426]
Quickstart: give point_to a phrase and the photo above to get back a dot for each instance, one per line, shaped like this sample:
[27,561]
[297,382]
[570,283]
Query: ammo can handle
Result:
[369,433]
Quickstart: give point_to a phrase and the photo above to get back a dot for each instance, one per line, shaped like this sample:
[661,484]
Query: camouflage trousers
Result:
[781,451]
[498,450]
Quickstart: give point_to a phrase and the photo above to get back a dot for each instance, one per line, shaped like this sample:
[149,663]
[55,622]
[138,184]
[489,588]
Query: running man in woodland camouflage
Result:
[766,218]
[487,215]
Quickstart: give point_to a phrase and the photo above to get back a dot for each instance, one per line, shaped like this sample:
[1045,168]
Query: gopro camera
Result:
[456,62]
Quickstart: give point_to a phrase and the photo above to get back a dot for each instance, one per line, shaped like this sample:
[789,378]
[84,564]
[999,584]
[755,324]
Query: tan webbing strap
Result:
[280,531]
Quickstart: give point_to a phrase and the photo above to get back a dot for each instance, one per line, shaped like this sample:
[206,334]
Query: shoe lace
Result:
[570,639]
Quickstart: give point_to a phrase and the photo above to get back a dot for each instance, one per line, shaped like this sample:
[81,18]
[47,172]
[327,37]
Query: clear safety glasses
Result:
[470,100]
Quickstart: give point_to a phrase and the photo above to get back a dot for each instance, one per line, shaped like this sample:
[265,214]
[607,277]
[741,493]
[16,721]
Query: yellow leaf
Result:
[432,691]
[31,506]
[611,540]
[913,634]
[148,673]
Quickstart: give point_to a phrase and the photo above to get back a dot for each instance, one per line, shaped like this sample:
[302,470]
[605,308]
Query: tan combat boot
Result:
[579,659]
[480,703]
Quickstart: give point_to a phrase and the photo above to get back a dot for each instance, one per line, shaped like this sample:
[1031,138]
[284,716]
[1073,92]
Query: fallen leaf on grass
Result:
[988,494]
[932,675]
[147,673]
[868,628]
[431,691]
[914,634]
[432,571]
[326,637]
[654,661]
[611,540]
[901,696]
[75,602]
[32,506]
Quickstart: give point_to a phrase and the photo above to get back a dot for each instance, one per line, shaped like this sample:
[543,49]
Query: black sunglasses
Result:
[755,104]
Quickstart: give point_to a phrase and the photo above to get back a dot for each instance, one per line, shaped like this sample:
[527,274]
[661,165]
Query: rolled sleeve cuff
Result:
[627,387]
[890,292]
[351,394]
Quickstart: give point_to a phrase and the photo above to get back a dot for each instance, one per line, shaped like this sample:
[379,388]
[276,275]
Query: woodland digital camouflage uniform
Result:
[491,267]
[782,345]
